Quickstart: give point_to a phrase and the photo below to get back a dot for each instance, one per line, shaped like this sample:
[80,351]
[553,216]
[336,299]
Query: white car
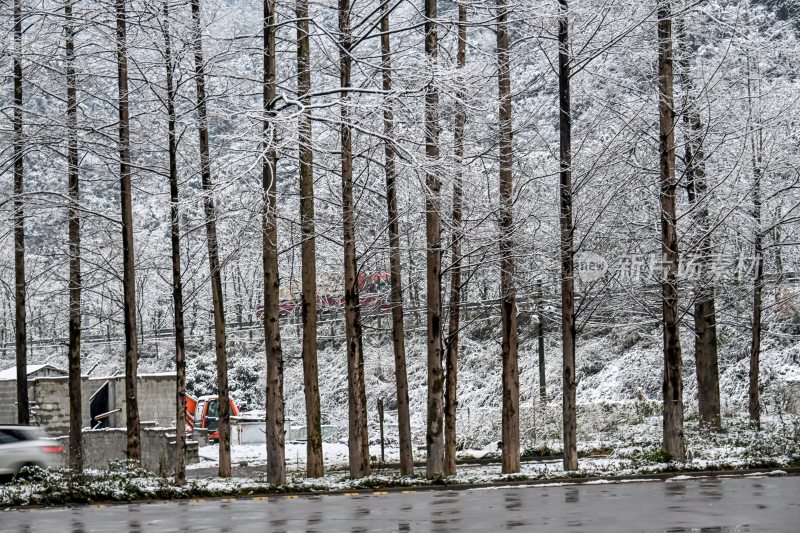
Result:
[22,446]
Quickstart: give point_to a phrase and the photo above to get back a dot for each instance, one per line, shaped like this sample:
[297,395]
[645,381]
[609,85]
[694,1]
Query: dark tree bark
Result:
[210,211]
[540,343]
[451,354]
[358,440]
[705,315]
[754,406]
[756,144]
[396,295]
[276,446]
[175,237]
[673,440]
[74,230]
[778,256]
[433,231]
[128,260]
[508,307]
[20,294]
[308,308]
[568,333]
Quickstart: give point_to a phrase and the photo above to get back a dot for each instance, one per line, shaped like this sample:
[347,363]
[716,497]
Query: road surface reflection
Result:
[724,505]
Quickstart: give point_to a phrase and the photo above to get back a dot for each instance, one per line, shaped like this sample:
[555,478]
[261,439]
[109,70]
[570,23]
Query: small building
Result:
[103,413]
[34,371]
[102,399]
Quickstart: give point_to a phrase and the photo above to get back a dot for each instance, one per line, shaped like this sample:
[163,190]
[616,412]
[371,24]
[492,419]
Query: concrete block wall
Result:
[49,397]
[158,449]
[101,446]
[8,402]
[157,398]
[50,410]
[156,394]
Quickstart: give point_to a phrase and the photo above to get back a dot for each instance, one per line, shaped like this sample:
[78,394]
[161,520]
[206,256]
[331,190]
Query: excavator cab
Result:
[206,415]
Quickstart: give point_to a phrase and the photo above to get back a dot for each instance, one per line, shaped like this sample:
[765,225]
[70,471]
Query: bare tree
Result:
[567,249]
[508,306]
[175,241]
[673,440]
[74,230]
[435,434]
[21,342]
[705,314]
[540,342]
[128,260]
[210,211]
[358,440]
[276,447]
[396,279]
[451,356]
[308,310]
[756,144]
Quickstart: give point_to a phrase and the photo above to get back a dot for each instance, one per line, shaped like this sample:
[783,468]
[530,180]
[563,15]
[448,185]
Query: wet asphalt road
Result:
[726,504]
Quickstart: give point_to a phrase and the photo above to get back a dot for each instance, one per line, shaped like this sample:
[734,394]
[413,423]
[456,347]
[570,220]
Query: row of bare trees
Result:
[442,340]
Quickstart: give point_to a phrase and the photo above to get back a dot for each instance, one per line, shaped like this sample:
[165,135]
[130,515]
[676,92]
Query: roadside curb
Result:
[439,487]
[656,476]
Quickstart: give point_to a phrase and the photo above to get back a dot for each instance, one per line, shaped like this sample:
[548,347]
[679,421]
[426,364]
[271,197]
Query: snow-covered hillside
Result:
[611,369]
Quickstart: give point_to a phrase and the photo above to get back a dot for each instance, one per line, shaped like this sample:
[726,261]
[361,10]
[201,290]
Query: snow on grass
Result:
[632,449]
[621,439]
[335,455]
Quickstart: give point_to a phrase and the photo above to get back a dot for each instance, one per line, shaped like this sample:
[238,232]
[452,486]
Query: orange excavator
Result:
[203,412]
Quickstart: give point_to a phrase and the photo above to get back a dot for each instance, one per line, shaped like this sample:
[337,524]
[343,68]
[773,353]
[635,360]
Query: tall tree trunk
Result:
[673,441]
[778,255]
[210,212]
[128,260]
[358,440]
[435,434]
[758,244]
[308,308]
[567,248]
[175,236]
[451,354]
[540,343]
[276,447]
[755,347]
[21,342]
[74,230]
[508,307]
[396,279]
[705,315]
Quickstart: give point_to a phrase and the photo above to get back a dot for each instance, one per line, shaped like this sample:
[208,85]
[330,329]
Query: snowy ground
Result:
[335,455]
[631,447]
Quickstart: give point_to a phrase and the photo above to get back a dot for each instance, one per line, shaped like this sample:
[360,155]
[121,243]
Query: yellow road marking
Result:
[408,492]
[379,492]
[291,497]
[350,494]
